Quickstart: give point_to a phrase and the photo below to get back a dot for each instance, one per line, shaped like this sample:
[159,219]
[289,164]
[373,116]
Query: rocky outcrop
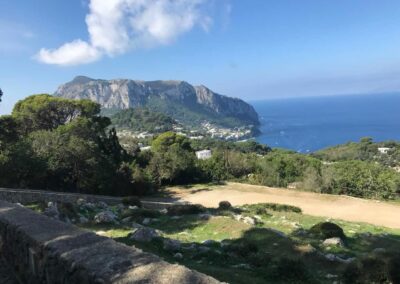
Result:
[123,94]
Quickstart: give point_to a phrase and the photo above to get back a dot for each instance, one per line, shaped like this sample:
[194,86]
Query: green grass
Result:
[189,229]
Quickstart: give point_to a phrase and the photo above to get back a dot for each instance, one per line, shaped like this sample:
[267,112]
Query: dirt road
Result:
[333,206]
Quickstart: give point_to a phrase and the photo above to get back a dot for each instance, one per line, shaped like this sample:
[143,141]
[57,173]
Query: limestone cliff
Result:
[179,99]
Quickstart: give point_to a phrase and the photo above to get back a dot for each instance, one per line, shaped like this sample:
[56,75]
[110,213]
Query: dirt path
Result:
[333,206]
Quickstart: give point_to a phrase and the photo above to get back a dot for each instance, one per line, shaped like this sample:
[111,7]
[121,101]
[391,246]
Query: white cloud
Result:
[117,26]
[71,53]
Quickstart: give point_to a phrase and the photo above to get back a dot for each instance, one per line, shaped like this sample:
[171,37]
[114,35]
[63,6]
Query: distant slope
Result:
[365,150]
[180,100]
[142,119]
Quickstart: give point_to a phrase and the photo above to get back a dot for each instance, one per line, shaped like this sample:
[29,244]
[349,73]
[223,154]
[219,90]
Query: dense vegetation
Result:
[62,144]
[142,119]
[365,150]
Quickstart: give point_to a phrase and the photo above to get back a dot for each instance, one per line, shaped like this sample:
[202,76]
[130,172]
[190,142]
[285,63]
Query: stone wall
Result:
[43,250]
[27,196]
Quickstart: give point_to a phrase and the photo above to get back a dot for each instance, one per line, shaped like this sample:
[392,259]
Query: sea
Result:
[310,124]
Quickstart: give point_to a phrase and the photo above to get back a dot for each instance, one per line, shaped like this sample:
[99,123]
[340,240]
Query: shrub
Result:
[328,230]
[291,270]
[224,205]
[393,269]
[131,201]
[185,209]
[261,208]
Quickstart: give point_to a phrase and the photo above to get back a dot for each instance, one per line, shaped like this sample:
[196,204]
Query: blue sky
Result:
[251,49]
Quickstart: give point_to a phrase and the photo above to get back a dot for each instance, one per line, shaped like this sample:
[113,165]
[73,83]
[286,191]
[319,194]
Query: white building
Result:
[383,150]
[203,154]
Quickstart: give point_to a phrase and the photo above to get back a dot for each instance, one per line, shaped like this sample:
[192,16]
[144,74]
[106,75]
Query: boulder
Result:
[144,234]
[249,220]
[333,242]
[136,225]
[126,220]
[80,202]
[146,221]
[203,249]
[83,220]
[88,206]
[237,217]
[209,242]
[171,245]
[105,217]
[52,210]
[332,257]
[178,255]
[204,216]
[102,205]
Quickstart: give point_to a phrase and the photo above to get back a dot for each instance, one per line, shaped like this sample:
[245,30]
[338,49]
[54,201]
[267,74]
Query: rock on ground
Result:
[333,242]
[171,245]
[105,217]
[52,210]
[144,234]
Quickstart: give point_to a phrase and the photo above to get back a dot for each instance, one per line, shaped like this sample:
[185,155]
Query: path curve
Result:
[332,206]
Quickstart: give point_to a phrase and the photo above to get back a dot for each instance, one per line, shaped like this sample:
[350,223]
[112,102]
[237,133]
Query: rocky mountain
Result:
[182,101]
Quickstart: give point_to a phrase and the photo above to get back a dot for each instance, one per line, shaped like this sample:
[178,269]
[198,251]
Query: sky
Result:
[254,49]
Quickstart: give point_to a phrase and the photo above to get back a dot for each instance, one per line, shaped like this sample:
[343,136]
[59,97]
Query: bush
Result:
[393,269]
[291,270]
[132,201]
[328,230]
[224,205]
[261,208]
[185,209]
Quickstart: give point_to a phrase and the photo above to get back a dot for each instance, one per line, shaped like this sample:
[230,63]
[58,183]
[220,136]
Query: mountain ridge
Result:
[179,99]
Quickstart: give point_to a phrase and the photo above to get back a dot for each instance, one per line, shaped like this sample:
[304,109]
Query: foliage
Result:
[280,168]
[247,147]
[362,179]
[59,144]
[142,119]
[224,205]
[44,112]
[261,208]
[173,160]
[328,230]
